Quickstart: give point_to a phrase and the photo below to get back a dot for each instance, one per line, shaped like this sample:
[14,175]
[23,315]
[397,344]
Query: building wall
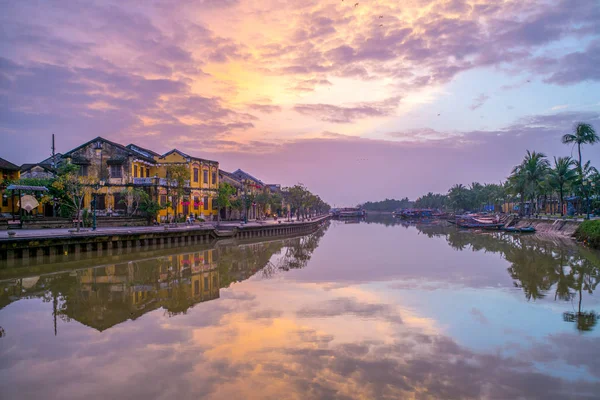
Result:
[6,203]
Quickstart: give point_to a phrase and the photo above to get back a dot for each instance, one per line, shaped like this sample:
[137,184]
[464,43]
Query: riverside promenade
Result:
[45,245]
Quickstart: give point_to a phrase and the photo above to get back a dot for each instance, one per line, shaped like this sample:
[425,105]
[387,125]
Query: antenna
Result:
[53,153]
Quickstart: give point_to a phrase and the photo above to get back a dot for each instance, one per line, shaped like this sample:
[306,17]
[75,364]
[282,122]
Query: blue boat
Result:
[525,229]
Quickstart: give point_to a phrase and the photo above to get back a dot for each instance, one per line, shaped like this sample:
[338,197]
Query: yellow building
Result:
[110,168]
[9,173]
[200,190]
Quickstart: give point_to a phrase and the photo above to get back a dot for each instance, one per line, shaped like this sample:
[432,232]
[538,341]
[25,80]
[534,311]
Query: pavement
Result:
[44,233]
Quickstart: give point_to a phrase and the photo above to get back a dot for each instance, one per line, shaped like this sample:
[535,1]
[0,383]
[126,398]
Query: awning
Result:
[27,187]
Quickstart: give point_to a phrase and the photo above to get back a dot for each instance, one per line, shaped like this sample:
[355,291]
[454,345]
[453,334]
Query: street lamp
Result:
[98,150]
[94,204]
[245,203]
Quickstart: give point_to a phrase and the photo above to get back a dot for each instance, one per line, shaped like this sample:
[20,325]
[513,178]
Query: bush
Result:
[589,233]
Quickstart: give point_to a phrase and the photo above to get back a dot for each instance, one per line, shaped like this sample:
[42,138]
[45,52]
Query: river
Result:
[376,309]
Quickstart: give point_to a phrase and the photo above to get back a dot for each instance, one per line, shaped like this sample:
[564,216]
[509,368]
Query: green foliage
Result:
[430,200]
[387,205]
[589,233]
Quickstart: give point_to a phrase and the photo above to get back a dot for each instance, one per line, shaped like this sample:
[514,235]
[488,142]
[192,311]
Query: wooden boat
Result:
[478,222]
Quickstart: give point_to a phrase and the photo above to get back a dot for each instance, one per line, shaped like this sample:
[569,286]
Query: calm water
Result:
[369,310]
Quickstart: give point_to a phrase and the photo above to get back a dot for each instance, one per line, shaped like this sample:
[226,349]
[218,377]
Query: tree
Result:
[582,134]
[149,206]
[562,175]
[131,198]
[75,188]
[458,196]
[263,198]
[178,176]
[532,172]
[223,200]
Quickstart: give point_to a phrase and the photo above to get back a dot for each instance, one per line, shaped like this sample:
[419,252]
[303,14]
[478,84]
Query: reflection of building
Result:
[107,296]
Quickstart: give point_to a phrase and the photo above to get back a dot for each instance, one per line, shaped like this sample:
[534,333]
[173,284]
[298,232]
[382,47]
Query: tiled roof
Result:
[247,175]
[7,165]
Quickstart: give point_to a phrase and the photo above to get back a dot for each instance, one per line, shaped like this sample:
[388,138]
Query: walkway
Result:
[45,233]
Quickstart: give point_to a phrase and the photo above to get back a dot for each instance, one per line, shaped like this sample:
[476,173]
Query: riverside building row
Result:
[113,167]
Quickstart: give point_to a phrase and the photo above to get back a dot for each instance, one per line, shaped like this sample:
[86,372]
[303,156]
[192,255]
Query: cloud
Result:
[479,101]
[265,108]
[348,114]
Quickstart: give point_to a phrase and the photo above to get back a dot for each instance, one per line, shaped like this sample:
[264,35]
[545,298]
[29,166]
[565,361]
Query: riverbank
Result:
[589,233]
[41,246]
[551,227]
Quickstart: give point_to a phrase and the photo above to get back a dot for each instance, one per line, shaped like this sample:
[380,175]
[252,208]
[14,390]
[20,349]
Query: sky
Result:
[358,100]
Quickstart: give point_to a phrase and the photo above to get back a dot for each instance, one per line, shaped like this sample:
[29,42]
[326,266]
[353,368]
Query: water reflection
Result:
[102,297]
[408,321]
[540,267]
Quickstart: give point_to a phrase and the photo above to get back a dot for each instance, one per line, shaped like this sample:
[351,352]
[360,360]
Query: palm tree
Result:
[582,134]
[458,196]
[561,175]
[533,171]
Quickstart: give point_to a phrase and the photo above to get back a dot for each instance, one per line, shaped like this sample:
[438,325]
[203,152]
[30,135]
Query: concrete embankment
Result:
[548,227]
[29,250]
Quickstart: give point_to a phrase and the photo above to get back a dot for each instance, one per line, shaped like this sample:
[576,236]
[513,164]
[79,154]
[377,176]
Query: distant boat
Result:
[349,212]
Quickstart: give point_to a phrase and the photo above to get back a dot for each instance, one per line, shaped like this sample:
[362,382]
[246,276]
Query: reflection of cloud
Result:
[344,305]
[478,316]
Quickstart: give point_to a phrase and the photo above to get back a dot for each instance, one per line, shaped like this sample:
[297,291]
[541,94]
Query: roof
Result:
[27,167]
[48,160]
[184,155]
[143,151]
[247,175]
[27,187]
[120,146]
[8,166]
[181,153]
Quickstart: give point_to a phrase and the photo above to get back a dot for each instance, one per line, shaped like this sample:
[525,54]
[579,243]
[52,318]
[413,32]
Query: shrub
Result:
[589,233]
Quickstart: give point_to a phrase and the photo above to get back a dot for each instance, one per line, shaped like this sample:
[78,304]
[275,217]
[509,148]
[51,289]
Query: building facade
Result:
[114,169]
[9,173]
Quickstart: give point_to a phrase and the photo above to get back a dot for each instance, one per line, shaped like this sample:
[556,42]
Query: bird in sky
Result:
[439,115]
[356,5]
[381,16]
[380,24]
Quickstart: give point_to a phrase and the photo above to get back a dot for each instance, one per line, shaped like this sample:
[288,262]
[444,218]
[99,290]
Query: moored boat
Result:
[525,229]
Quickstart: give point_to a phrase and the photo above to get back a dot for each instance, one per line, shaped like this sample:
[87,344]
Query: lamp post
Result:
[245,203]
[94,205]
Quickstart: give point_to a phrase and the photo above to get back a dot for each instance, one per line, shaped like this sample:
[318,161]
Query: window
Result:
[116,171]
[147,172]
[214,178]
[5,200]
[196,202]
[196,287]
[196,175]
[135,171]
[83,170]
[206,283]
[163,199]
[206,203]
[205,178]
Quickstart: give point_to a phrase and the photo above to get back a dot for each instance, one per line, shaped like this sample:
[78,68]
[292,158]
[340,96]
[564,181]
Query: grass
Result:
[589,233]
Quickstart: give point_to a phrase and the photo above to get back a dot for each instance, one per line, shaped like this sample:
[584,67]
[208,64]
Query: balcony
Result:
[151,181]
[143,181]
